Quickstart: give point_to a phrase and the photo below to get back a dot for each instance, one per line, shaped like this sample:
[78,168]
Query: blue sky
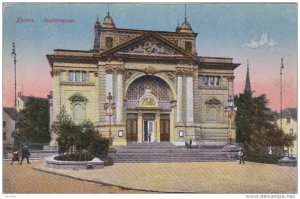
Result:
[261,33]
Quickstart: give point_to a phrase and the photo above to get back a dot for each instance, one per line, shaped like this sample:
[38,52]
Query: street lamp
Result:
[109,111]
[229,110]
[14,54]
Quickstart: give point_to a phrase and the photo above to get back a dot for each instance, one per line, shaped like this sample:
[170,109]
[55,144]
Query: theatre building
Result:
[162,90]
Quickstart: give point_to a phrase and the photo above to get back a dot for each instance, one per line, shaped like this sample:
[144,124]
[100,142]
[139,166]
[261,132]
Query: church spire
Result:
[247,90]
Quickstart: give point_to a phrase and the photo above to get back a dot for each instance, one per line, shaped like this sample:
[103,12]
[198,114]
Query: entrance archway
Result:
[148,95]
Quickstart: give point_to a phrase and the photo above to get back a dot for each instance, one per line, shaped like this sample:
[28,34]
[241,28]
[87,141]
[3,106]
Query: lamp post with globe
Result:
[109,108]
[230,109]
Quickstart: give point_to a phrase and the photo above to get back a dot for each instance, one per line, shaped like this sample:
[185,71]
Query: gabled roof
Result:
[290,112]
[139,47]
[11,112]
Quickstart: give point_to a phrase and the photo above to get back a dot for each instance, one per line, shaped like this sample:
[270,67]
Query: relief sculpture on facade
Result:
[149,46]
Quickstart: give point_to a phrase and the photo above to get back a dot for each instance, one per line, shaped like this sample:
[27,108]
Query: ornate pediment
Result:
[149,46]
[213,101]
[77,97]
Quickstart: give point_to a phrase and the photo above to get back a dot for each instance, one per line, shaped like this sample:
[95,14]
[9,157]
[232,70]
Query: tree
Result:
[33,122]
[255,124]
[83,138]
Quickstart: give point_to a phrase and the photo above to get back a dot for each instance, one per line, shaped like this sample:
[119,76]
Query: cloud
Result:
[263,40]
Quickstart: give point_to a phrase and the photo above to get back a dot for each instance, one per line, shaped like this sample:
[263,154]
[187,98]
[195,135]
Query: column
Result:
[119,111]
[157,123]
[189,101]
[109,86]
[140,126]
[179,118]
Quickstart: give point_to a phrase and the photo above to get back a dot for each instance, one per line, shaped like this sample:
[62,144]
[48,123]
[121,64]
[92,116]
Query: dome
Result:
[185,27]
[108,22]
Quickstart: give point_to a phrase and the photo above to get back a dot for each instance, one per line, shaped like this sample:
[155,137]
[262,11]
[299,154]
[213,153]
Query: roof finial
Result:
[185,12]
[108,9]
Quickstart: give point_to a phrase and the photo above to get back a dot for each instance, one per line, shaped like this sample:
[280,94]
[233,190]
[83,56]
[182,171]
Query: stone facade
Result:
[162,90]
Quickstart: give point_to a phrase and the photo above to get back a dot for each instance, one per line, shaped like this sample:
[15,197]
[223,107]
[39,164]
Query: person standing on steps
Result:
[190,146]
[186,144]
[25,154]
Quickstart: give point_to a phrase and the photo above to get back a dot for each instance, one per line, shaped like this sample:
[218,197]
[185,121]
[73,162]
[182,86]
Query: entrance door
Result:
[165,130]
[131,130]
[149,134]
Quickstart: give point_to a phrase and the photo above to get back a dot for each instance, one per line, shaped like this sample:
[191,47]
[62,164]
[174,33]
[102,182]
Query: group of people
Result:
[24,153]
[188,145]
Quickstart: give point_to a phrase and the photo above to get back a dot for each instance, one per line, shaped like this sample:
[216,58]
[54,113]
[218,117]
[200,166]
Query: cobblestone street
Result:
[24,179]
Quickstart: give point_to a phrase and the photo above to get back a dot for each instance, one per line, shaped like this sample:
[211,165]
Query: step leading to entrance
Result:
[167,152]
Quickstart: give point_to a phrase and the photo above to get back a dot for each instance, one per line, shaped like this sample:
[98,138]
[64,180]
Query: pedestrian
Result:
[242,155]
[15,157]
[186,144]
[25,154]
[190,146]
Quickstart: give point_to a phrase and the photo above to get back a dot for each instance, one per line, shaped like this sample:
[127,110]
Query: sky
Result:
[257,32]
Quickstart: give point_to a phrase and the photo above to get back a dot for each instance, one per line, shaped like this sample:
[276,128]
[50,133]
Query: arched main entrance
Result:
[148,110]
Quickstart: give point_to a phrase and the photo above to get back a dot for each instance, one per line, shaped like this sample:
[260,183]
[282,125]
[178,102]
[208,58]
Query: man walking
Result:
[25,154]
[242,155]
[15,156]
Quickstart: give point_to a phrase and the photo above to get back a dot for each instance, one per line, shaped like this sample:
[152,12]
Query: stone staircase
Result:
[167,152]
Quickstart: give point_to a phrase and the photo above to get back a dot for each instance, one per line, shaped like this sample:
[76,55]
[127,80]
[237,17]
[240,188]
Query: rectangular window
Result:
[211,81]
[4,124]
[77,76]
[188,46]
[109,42]
[205,79]
[70,76]
[83,76]
[217,81]
[291,132]
[4,136]
[288,120]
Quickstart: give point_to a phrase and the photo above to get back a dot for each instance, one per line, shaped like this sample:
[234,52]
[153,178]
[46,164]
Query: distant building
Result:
[289,126]
[22,100]
[9,118]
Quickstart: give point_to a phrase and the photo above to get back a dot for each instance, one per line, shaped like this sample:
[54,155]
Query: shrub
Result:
[99,147]
[267,158]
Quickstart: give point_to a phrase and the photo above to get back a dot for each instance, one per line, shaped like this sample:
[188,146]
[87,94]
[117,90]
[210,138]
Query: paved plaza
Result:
[192,177]
[24,179]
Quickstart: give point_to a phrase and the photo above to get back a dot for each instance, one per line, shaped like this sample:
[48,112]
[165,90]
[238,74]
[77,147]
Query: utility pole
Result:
[282,67]
[14,54]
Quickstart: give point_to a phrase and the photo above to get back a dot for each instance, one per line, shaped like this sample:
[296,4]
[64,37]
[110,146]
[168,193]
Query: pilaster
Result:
[140,127]
[157,123]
